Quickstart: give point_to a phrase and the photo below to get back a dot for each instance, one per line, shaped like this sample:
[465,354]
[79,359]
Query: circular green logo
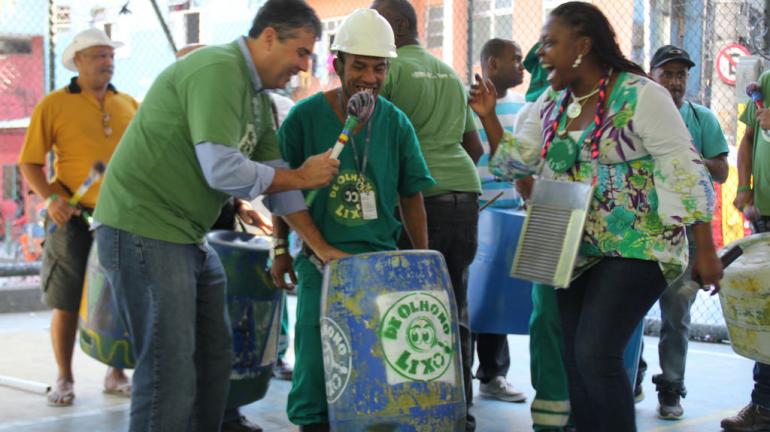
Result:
[416,337]
[337,358]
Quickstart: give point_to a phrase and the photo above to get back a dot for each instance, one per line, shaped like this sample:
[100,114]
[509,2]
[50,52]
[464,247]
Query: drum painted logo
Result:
[338,362]
[416,335]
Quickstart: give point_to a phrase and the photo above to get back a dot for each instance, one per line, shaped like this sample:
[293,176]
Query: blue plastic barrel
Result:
[498,303]
[631,354]
[254,304]
[391,344]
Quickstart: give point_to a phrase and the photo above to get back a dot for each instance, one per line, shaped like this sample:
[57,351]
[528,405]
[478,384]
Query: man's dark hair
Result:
[588,20]
[494,48]
[405,9]
[285,16]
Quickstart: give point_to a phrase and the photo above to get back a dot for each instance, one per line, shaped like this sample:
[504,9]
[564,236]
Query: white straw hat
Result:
[86,39]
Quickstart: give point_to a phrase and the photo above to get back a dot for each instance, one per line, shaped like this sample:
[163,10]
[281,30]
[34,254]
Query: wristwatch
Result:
[278,251]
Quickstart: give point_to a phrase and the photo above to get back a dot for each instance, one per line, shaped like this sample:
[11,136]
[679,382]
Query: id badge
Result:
[368,205]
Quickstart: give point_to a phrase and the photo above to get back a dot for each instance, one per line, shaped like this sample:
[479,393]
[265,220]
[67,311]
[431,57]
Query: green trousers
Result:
[551,408]
[307,398]
[283,335]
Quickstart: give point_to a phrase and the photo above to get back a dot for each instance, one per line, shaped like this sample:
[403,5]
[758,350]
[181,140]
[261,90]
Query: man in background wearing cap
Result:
[434,98]
[670,68]
[381,164]
[204,132]
[82,123]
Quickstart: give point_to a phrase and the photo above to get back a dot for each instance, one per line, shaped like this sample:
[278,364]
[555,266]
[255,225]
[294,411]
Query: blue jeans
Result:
[675,304]
[172,299]
[599,313]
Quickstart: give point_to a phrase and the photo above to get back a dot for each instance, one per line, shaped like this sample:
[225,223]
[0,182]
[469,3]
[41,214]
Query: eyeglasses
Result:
[106,124]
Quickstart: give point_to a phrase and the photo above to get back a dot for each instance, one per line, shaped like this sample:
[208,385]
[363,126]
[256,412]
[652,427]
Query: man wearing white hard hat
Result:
[380,167]
[82,124]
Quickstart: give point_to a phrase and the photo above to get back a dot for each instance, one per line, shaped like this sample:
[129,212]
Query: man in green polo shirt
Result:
[203,132]
[434,98]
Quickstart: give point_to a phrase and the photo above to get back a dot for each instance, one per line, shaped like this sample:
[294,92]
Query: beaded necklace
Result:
[567,157]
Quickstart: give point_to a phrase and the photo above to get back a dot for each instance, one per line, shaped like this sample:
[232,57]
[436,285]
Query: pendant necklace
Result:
[576,105]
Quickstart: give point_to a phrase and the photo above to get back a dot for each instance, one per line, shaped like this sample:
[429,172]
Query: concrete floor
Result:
[719,384]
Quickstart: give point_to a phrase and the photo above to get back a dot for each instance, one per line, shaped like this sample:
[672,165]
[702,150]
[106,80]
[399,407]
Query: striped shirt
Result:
[507,110]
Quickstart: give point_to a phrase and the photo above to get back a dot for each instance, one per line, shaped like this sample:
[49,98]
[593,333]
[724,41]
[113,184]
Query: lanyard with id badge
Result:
[366,198]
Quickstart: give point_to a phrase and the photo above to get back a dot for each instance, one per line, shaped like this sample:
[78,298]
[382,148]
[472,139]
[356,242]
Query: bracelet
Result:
[278,242]
[276,252]
[744,188]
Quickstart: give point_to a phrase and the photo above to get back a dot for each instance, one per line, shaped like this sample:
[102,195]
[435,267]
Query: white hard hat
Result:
[365,32]
[86,39]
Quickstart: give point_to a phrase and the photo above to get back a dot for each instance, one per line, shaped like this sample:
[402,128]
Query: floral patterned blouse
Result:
[650,181]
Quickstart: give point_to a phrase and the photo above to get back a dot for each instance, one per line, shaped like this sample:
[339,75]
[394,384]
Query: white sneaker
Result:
[500,388]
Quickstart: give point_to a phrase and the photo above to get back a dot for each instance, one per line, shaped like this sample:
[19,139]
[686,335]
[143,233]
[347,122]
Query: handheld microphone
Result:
[97,170]
[754,91]
[360,108]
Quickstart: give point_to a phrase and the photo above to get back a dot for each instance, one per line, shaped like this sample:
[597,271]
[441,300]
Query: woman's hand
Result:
[482,97]
[707,269]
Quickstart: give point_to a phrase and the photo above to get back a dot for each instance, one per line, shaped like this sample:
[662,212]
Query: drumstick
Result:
[488,203]
[360,108]
[93,176]
[24,385]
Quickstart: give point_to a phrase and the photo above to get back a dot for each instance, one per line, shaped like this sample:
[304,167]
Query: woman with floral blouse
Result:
[604,122]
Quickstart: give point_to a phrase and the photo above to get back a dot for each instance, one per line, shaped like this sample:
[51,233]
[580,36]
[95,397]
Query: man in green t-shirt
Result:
[434,98]
[380,167]
[204,132]
[670,67]
[753,198]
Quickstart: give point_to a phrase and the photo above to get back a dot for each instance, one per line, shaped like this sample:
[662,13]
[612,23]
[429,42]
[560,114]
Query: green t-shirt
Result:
[154,185]
[433,97]
[395,167]
[760,160]
[705,130]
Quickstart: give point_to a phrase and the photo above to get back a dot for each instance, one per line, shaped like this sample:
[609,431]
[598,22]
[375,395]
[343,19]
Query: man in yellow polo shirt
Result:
[82,123]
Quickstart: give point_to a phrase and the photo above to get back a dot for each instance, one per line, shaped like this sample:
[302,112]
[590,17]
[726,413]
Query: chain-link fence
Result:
[33,36]
[716,33]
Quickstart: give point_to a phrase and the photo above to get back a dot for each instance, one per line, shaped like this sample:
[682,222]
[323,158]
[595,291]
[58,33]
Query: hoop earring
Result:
[578,60]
